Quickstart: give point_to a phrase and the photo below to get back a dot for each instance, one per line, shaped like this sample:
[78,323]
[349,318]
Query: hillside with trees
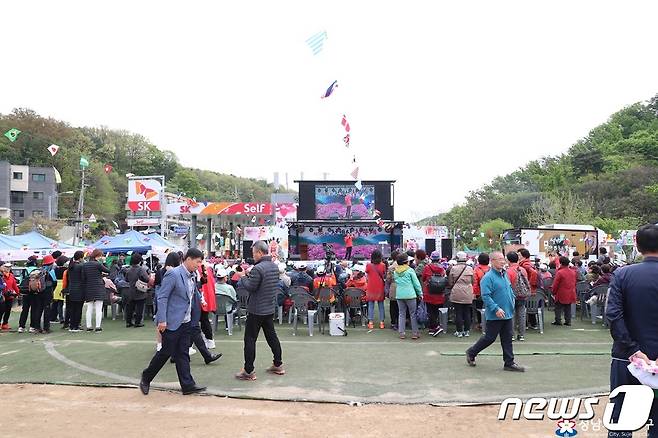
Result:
[608,179]
[127,153]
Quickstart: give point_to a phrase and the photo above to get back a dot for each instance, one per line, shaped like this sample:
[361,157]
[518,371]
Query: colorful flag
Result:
[108,168]
[12,134]
[316,42]
[83,163]
[345,124]
[53,148]
[358,185]
[346,140]
[355,173]
[58,177]
[330,90]
[378,213]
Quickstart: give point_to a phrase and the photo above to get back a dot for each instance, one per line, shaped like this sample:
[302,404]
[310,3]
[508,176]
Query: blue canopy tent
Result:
[22,246]
[126,242]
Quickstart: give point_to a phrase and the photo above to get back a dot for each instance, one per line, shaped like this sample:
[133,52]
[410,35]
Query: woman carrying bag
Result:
[94,288]
[137,277]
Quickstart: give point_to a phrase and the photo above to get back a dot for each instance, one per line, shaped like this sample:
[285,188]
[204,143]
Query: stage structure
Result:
[330,210]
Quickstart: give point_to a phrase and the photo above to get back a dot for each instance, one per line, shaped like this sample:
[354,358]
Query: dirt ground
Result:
[58,411]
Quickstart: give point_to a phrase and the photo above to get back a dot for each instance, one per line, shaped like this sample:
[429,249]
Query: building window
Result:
[19,213]
[38,195]
[18,175]
[39,177]
[37,213]
[17,197]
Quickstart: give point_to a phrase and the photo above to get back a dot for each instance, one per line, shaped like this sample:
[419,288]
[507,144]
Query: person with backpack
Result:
[435,283]
[521,287]
[29,298]
[134,309]
[94,288]
[460,281]
[376,273]
[43,282]
[564,292]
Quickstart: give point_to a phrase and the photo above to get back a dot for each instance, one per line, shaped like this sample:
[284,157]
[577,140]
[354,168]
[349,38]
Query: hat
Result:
[359,268]
[402,259]
[435,256]
[220,272]
[282,268]
[469,262]
[461,256]
[300,265]
[320,270]
[33,258]
[452,262]
[7,265]
[48,260]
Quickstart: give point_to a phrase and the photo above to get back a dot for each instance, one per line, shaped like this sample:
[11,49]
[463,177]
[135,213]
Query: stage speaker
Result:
[247,253]
[294,258]
[430,246]
[359,258]
[446,248]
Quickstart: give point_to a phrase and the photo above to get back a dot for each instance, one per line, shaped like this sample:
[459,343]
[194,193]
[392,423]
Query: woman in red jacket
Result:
[564,291]
[208,305]
[433,301]
[11,292]
[376,272]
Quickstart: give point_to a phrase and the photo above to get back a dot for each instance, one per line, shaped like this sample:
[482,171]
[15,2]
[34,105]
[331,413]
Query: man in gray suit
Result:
[178,305]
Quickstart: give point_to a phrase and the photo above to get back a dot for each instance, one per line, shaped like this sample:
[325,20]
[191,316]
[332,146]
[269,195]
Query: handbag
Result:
[141,286]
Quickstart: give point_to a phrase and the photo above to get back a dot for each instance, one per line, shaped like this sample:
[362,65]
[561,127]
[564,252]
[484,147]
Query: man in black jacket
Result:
[631,311]
[262,285]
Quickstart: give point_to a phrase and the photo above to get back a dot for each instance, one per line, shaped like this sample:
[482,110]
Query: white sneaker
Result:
[458,334]
[33,330]
[191,351]
[210,343]
[467,334]
[158,346]
[21,329]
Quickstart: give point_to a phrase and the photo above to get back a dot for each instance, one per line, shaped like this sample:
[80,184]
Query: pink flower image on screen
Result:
[337,211]
[316,251]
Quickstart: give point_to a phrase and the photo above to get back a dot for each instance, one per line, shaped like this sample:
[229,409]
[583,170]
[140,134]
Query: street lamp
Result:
[50,205]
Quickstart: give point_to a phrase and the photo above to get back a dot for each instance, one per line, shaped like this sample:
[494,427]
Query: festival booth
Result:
[429,238]
[134,241]
[329,210]
[23,246]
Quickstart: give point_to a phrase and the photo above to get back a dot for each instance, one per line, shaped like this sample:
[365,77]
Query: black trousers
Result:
[29,304]
[45,299]
[206,327]
[175,344]
[67,312]
[504,327]
[6,310]
[433,313]
[619,376]
[74,312]
[394,312]
[135,308]
[251,330]
[57,311]
[199,343]
[559,309]
[348,253]
[463,313]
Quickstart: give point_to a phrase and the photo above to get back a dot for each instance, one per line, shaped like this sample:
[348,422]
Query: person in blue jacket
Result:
[498,300]
[632,313]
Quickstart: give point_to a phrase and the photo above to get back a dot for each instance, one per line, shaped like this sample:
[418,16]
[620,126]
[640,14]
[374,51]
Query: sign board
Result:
[145,222]
[85,227]
[219,208]
[92,219]
[181,230]
[144,195]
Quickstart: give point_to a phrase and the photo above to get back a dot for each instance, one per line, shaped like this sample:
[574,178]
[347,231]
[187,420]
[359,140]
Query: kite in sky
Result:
[345,123]
[346,139]
[355,173]
[330,90]
[316,42]
[12,134]
[53,148]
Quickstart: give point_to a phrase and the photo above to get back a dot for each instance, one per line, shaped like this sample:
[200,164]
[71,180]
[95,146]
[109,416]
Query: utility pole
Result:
[81,205]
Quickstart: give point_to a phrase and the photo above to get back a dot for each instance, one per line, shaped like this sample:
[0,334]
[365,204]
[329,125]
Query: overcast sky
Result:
[441,96]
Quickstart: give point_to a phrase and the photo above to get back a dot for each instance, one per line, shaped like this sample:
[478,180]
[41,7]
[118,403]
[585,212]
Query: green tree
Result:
[41,225]
[561,208]
[491,233]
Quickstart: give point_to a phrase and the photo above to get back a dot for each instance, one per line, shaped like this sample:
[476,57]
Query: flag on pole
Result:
[58,177]
[12,134]
[345,124]
[108,168]
[53,148]
[355,173]
[83,163]
[358,185]
[330,90]
[316,42]
[346,140]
